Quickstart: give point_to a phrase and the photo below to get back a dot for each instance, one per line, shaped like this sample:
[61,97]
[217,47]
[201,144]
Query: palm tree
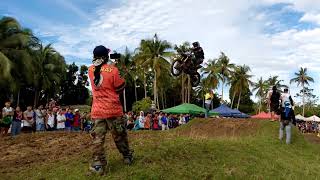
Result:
[181,49]
[303,79]
[49,69]
[225,70]
[126,66]
[155,51]
[212,72]
[261,87]
[15,61]
[243,80]
[274,81]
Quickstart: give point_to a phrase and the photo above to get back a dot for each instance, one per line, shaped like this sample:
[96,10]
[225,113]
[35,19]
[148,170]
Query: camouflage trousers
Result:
[117,127]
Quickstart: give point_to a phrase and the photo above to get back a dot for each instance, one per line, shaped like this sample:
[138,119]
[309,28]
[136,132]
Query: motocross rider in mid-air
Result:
[195,61]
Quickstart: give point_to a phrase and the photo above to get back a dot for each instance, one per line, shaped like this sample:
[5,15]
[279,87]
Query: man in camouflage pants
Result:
[106,111]
[119,134]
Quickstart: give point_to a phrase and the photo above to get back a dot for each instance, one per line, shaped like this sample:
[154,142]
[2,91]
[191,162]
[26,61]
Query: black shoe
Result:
[128,159]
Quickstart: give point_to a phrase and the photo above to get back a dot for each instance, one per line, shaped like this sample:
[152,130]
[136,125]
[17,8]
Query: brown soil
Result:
[312,138]
[40,148]
[220,128]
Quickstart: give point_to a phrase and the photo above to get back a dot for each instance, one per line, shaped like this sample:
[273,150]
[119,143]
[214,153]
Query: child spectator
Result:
[16,122]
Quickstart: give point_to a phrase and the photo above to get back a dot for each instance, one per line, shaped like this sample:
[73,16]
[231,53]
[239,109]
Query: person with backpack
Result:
[287,116]
[273,101]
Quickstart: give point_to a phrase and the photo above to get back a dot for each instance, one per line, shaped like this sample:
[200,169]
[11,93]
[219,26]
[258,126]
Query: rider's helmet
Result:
[196,44]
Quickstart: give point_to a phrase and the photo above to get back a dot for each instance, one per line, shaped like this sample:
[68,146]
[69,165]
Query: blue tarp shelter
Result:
[225,111]
[240,114]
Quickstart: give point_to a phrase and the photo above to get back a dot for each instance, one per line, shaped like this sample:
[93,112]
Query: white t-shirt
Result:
[7,110]
[29,115]
[62,119]
[39,116]
[50,120]
[285,97]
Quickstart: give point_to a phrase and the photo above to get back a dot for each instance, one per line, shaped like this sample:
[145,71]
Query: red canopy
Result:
[264,115]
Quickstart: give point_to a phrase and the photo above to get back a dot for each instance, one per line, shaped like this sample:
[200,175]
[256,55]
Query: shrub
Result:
[142,105]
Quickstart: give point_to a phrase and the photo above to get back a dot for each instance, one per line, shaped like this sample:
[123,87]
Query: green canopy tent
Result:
[187,109]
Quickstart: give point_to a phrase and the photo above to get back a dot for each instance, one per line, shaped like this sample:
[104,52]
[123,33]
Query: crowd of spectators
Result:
[48,118]
[155,120]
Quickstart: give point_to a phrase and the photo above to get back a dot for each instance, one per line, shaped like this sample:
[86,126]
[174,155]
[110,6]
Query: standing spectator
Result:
[171,122]
[69,119]
[273,100]
[50,121]
[76,120]
[147,122]
[182,120]
[287,116]
[130,121]
[155,124]
[16,122]
[40,115]
[28,120]
[208,99]
[7,114]
[187,118]
[164,122]
[61,119]
[141,120]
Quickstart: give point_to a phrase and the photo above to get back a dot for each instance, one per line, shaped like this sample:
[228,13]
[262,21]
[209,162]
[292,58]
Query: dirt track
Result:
[30,149]
[221,128]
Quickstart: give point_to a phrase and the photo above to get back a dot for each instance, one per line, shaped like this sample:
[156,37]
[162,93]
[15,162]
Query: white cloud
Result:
[234,27]
[308,17]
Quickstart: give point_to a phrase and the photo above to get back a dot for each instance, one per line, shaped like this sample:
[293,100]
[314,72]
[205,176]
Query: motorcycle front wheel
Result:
[176,67]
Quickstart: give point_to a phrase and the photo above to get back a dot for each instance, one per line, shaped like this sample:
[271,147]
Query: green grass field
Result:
[200,150]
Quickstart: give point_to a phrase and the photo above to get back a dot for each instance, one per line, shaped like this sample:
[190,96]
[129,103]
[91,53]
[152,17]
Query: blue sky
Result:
[273,37]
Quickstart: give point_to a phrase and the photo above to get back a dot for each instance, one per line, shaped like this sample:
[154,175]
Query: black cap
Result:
[101,51]
[274,88]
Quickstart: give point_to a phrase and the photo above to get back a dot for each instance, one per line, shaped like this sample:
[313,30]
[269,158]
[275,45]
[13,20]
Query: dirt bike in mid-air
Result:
[184,63]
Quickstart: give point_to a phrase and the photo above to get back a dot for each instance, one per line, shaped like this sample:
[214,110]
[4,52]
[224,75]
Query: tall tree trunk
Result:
[239,99]
[203,99]
[135,90]
[36,94]
[260,105]
[18,98]
[155,89]
[222,89]
[234,95]
[162,99]
[189,88]
[182,89]
[303,95]
[145,85]
[124,100]
[165,100]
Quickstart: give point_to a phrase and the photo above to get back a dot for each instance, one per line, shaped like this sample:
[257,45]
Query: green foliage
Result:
[142,105]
